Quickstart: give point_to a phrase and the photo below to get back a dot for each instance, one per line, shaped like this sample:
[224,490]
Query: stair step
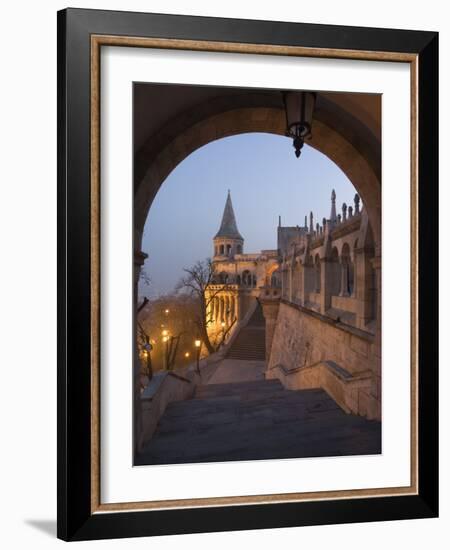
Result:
[250,343]
[256,420]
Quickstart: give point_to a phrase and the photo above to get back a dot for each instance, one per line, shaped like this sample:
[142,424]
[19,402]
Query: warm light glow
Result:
[144,353]
[223,324]
[165,338]
[187,354]
[165,332]
[198,343]
[166,311]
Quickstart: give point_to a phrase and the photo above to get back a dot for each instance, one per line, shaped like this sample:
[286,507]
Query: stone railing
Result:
[168,386]
[350,391]
[177,385]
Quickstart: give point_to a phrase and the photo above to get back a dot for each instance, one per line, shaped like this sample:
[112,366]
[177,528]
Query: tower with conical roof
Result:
[228,241]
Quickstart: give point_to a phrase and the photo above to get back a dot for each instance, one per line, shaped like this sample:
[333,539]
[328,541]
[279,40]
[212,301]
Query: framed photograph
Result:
[247,263]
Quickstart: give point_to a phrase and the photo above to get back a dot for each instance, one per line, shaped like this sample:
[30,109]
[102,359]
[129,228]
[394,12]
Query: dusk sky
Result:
[265,179]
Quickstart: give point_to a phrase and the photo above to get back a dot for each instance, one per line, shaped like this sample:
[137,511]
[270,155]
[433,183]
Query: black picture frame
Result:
[75,518]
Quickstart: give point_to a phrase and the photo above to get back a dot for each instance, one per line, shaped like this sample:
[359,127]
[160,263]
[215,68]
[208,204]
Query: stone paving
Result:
[235,370]
[252,418]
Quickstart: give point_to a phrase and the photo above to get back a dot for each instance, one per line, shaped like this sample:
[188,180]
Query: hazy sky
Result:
[265,179]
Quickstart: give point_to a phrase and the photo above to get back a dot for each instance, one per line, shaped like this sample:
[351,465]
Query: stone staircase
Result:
[257,420]
[250,343]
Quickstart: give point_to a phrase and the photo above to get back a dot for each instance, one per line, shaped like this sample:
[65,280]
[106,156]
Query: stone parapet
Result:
[269,298]
[169,386]
[350,391]
[303,338]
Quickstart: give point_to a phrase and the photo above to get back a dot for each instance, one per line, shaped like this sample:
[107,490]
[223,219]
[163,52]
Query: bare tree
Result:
[196,281]
[144,277]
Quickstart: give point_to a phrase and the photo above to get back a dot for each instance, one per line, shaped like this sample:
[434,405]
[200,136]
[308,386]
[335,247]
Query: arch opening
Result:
[333,144]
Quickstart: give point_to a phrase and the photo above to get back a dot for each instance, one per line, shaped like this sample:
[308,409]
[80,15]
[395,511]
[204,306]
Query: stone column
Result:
[364,293]
[238,306]
[304,284]
[326,287]
[217,310]
[228,311]
[283,280]
[209,308]
[351,277]
[221,309]
[214,310]
[139,259]
[225,309]
[296,282]
[376,386]
[344,277]
[300,283]
[270,308]
[318,276]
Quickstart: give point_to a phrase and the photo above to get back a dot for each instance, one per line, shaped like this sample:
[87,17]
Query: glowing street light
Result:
[146,355]
[198,345]
[187,354]
[165,339]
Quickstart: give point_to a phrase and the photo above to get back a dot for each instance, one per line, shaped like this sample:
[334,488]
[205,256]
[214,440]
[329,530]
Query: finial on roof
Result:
[279,221]
[333,217]
[311,222]
[357,199]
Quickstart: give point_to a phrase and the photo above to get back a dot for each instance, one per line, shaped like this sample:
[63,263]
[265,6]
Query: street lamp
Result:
[147,348]
[198,345]
[299,107]
[165,339]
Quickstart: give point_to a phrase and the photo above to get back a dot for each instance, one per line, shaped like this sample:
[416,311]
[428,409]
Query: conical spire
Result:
[228,227]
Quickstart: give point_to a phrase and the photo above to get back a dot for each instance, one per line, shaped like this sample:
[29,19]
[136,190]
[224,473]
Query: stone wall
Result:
[304,338]
[168,386]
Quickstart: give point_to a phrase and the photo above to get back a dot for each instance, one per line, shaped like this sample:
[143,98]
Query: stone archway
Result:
[351,142]
[358,167]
